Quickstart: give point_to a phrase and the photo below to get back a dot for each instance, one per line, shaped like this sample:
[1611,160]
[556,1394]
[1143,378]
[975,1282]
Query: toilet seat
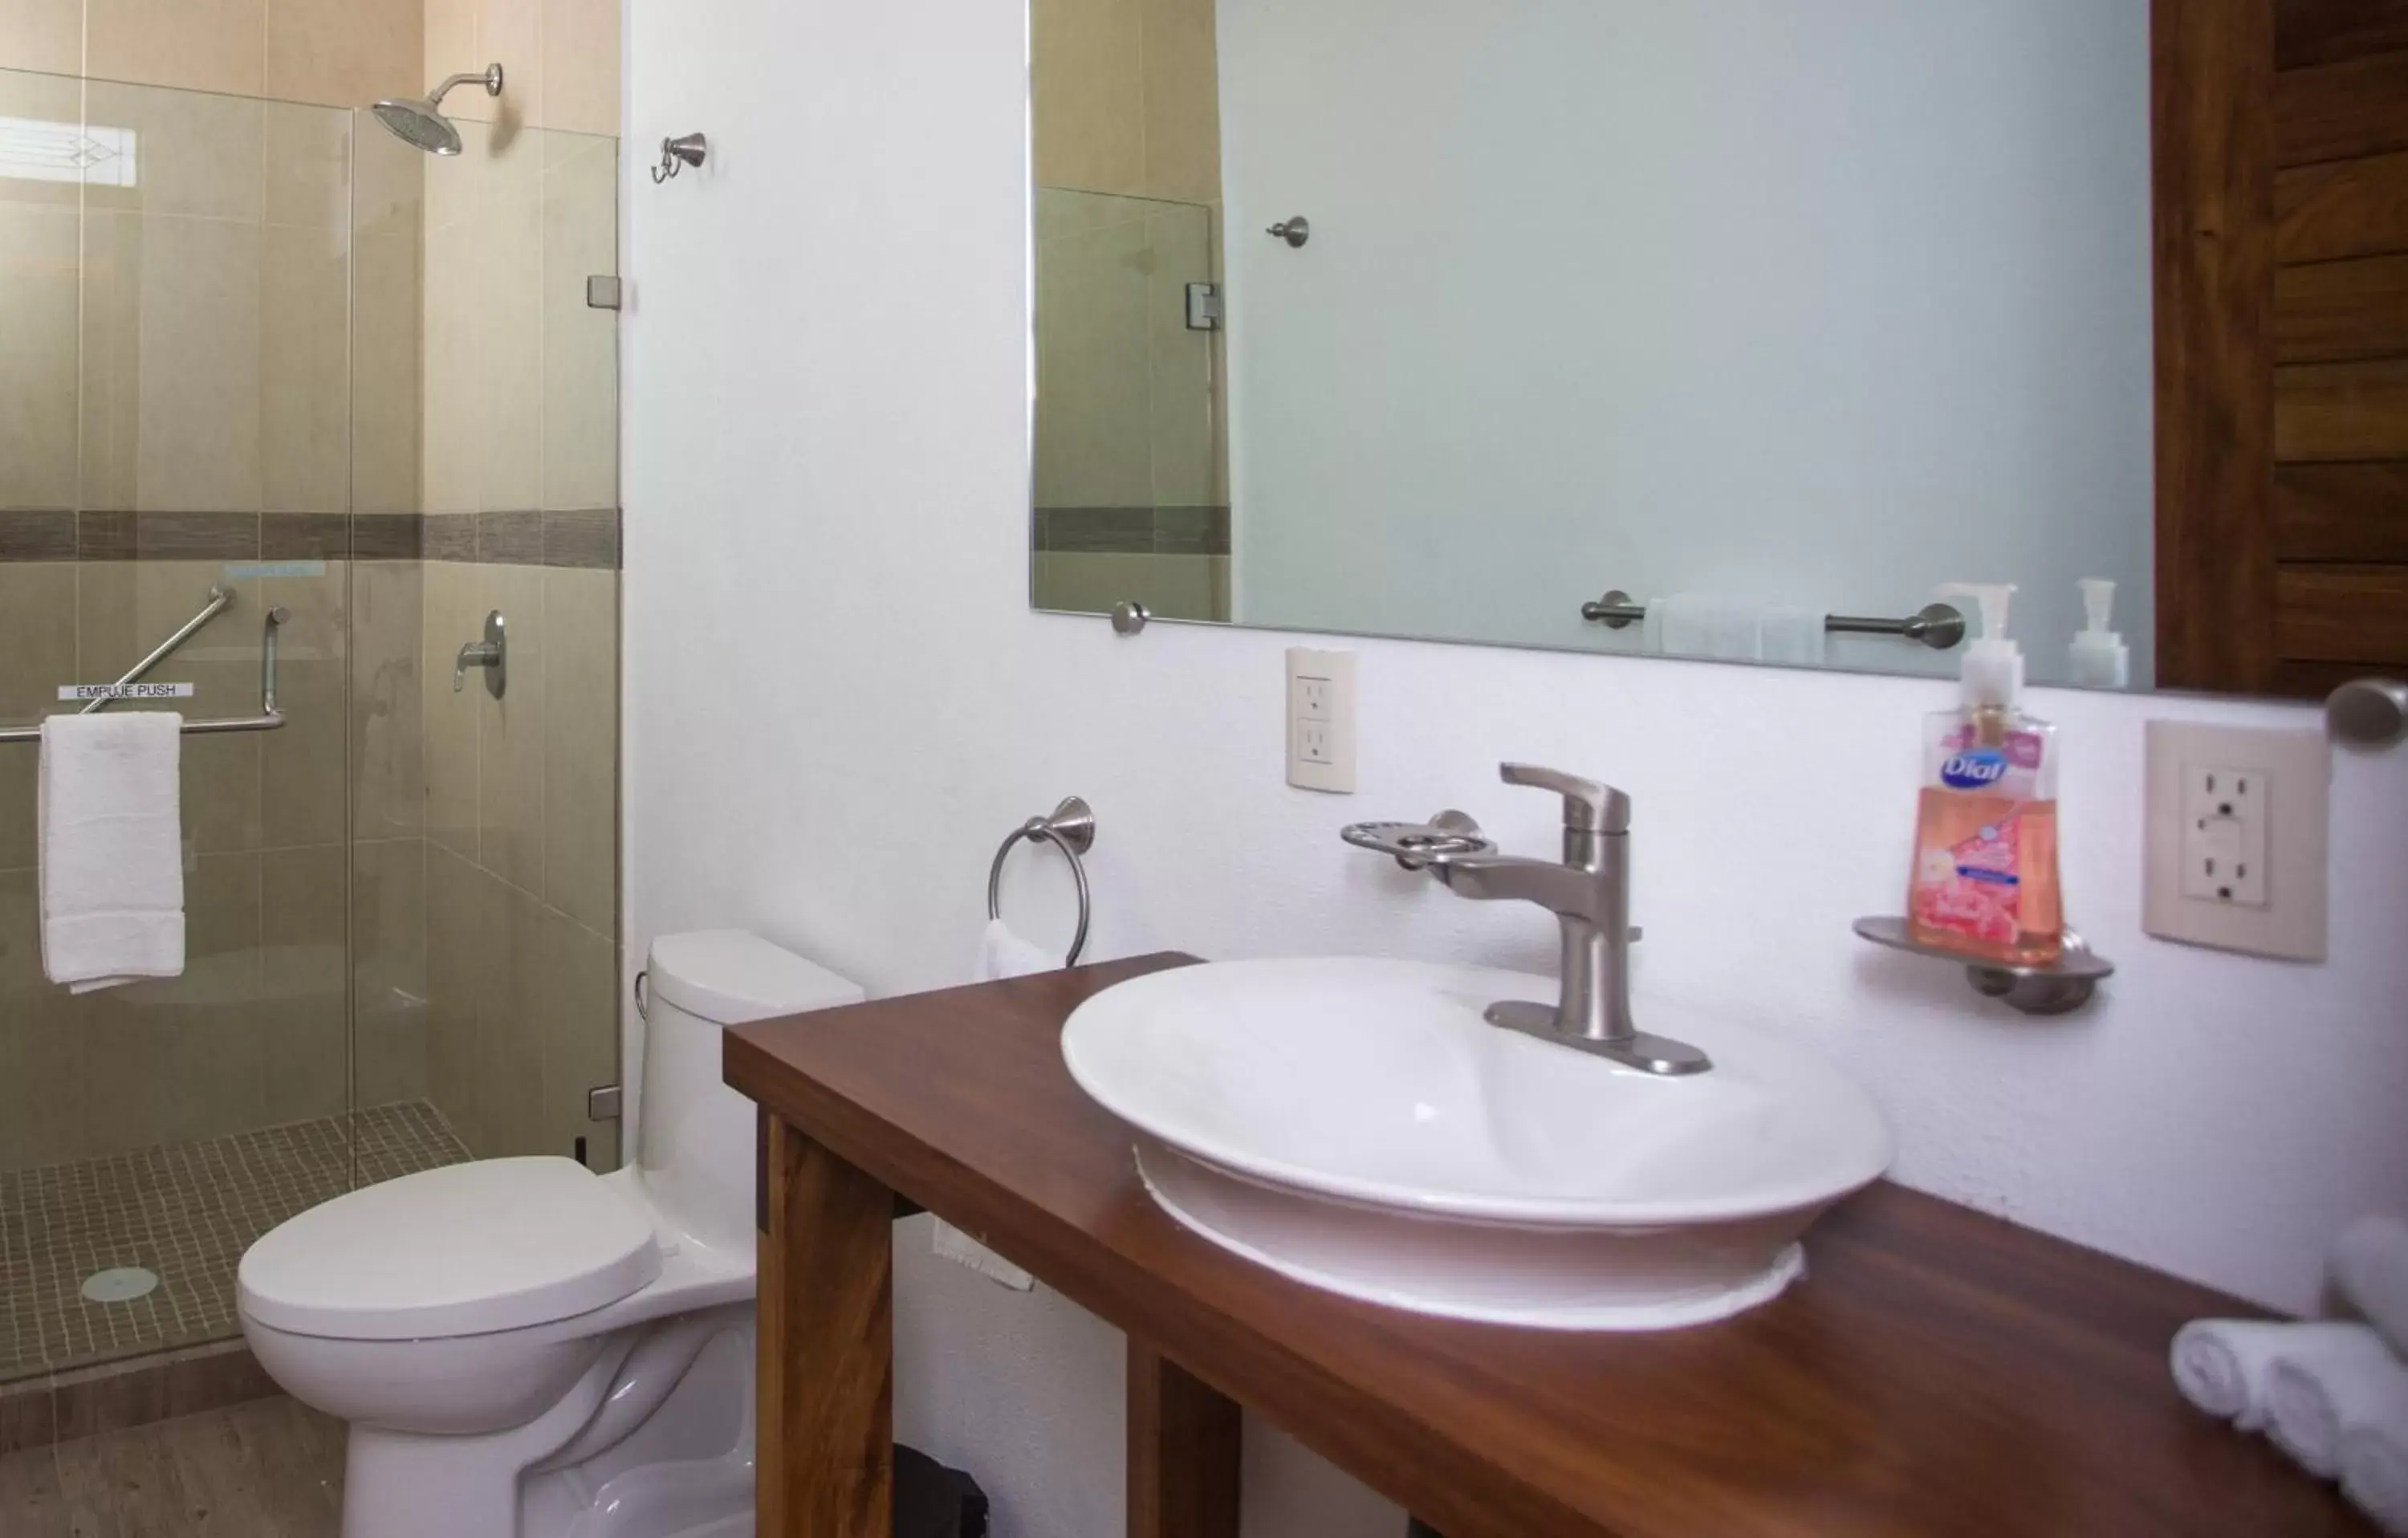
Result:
[465,1250]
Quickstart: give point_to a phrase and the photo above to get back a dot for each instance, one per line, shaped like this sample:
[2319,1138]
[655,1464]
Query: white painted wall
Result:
[837,701]
[1820,304]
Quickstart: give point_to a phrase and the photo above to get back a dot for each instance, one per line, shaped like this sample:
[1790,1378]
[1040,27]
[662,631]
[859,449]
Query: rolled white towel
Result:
[2375,1474]
[2323,1387]
[2221,1365]
[2370,1266]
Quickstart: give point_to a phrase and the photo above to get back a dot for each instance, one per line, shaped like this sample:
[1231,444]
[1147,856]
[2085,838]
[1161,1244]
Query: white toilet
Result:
[524,1349]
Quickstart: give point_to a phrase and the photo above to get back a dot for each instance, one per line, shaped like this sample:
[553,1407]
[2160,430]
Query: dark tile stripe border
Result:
[37,1411]
[583,538]
[1133,531]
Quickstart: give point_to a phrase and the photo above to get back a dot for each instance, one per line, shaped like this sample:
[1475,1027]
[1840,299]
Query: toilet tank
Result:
[694,1136]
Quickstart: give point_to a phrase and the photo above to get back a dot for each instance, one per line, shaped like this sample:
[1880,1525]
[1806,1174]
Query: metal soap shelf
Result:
[2056,988]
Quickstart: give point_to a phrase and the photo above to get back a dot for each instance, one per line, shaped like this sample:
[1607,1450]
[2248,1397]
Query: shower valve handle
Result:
[493,655]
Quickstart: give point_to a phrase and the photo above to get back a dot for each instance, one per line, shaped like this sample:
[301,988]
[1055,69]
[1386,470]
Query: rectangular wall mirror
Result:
[1735,329]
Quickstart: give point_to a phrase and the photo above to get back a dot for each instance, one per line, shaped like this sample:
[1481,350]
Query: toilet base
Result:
[655,1440]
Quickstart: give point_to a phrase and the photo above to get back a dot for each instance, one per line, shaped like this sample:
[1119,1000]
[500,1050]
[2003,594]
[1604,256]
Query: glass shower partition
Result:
[229,363]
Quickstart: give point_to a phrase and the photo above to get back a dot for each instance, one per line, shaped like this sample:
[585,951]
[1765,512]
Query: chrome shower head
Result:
[421,122]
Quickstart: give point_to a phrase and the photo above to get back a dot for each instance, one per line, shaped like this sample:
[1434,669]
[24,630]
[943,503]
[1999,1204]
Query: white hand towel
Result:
[1697,625]
[2375,1474]
[1792,635]
[1001,954]
[111,831]
[2323,1387]
[2222,1365]
[2370,1266]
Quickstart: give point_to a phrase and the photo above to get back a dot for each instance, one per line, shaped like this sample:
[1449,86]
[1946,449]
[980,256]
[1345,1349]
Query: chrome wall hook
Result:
[680,152]
[1295,230]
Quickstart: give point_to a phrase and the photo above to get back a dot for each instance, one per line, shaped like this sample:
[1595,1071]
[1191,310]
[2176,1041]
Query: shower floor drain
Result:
[120,1284]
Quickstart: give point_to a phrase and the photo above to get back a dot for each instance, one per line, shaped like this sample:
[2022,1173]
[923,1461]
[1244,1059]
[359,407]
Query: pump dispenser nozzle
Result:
[1994,666]
[2101,658]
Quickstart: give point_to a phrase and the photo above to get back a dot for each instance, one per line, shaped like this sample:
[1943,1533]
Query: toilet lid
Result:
[500,1244]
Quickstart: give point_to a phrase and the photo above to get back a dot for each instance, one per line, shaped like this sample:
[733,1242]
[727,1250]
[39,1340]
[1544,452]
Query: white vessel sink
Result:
[1356,1125]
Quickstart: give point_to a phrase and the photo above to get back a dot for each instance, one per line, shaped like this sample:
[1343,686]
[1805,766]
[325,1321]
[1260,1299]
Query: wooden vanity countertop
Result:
[1937,1374]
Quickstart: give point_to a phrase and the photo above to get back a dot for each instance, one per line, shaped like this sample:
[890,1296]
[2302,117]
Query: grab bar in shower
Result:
[268,719]
[1938,626]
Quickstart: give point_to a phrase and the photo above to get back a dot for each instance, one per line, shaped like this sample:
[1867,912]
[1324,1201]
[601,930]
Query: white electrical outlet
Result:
[2237,837]
[2224,834]
[1320,697]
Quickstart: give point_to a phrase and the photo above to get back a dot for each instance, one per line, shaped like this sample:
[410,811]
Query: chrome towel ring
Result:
[1071,829]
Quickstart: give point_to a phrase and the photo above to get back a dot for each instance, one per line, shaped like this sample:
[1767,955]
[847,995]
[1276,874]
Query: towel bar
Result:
[1938,626]
[1071,829]
[268,719]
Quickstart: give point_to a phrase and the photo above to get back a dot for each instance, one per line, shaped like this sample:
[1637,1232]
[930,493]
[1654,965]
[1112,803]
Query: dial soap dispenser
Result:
[2100,659]
[1985,882]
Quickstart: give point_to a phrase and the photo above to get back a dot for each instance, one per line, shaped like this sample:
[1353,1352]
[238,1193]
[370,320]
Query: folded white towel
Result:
[1698,625]
[2369,1267]
[2374,1475]
[2323,1387]
[109,813]
[2222,1365]
[1001,954]
[1793,635]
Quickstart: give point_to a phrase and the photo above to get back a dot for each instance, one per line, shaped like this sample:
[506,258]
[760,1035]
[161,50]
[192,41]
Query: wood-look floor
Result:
[268,1469]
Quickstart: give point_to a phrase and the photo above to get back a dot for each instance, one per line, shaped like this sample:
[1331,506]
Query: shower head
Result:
[421,122]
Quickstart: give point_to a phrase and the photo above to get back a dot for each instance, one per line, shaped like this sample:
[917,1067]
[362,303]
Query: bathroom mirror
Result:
[1414,318]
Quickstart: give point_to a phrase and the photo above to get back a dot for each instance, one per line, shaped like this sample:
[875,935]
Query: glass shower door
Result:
[175,294]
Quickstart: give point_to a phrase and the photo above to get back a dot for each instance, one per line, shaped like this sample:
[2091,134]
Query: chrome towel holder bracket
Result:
[680,152]
[1071,829]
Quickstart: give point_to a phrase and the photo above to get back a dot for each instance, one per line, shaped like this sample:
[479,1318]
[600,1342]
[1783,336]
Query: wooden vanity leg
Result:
[1184,1443]
[825,1425]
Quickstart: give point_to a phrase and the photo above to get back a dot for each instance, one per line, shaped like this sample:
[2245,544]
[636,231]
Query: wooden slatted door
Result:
[2282,249]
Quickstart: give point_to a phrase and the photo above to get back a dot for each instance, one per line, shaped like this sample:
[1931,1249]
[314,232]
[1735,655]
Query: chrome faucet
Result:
[493,655]
[1589,893]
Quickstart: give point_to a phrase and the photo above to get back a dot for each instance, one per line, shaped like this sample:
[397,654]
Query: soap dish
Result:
[2057,987]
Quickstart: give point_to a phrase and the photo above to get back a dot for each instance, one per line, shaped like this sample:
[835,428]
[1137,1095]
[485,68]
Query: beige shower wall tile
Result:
[510,733]
[44,98]
[509,341]
[196,154]
[171,363]
[578,1004]
[308,165]
[195,45]
[511,32]
[459,897]
[1087,83]
[185,1057]
[510,1021]
[304,982]
[388,744]
[305,369]
[1094,420]
[344,52]
[451,31]
[580,66]
[1183,110]
[387,385]
[40,293]
[580,403]
[302,775]
[453,615]
[580,753]
[42,1043]
[388,899]
[37,631]
[42,35]
[451,443]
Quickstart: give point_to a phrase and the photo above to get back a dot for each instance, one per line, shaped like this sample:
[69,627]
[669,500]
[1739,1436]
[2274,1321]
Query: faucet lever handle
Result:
[1588,805]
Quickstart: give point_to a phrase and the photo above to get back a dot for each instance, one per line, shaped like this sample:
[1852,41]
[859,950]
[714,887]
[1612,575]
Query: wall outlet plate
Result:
[2238,832]
[1320,697]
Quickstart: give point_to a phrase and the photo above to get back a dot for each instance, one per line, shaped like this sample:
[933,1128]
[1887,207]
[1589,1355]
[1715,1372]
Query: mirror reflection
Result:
[1730,329]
